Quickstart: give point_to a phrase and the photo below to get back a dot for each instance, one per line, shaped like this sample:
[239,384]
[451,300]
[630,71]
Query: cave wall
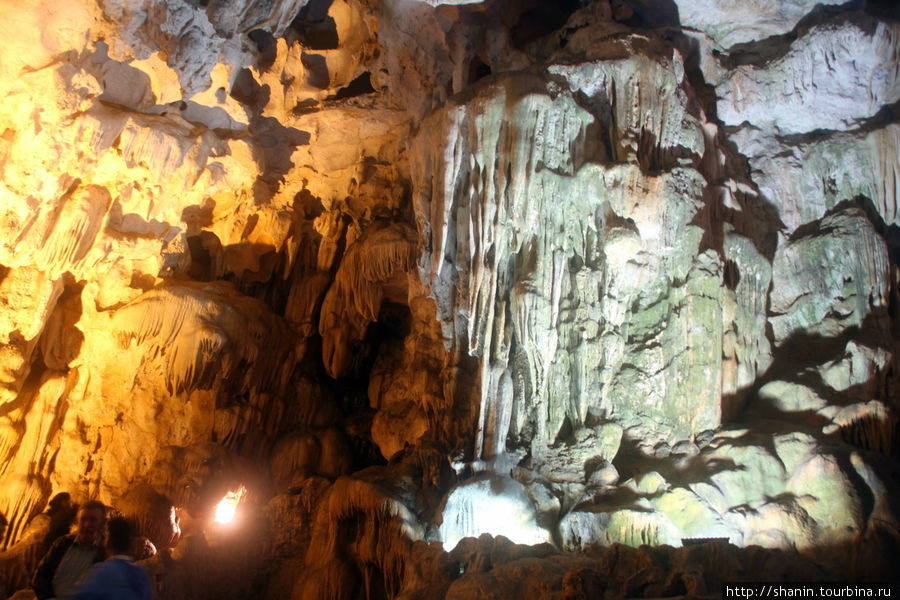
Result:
[627,267]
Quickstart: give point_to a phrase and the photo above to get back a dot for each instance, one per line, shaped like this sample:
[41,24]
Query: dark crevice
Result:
[204,248]
[888,10]
[731,275]
[317,70]
[307,106]
[647,14]
[265,46]
[313,28]
[478,70]
[360,86]
[541,20]
[245,89]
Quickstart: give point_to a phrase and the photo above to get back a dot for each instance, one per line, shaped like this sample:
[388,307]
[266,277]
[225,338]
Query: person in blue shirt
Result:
[116,578]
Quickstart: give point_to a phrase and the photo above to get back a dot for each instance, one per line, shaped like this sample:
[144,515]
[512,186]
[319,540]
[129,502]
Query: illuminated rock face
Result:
[584,291]
[394,265]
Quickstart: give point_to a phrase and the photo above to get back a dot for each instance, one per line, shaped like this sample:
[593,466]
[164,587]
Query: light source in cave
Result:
[227,507]
[495,505]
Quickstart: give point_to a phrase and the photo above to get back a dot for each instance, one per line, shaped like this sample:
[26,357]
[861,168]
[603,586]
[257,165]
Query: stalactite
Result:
[354,299]
[504,206]
[206,334]
[376,524]
[871,425]
[76,225]
[29,496]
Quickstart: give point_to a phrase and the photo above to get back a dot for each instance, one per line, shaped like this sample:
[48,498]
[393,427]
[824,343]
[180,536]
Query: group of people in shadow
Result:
[96,562]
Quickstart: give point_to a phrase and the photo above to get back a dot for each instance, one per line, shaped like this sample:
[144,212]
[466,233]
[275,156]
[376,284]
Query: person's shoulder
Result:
[37,526]
[128,565]
[65,540]
[136,569]
[135,574]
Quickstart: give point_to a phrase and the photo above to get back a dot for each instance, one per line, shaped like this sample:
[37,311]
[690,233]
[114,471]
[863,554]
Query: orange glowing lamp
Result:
[226,508]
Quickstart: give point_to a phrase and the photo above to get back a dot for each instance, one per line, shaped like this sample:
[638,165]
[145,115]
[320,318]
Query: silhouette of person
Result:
[61,513]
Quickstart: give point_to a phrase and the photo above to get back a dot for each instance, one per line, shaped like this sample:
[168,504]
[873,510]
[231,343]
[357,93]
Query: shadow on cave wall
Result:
[795,361]
[314,27]
[873,435]
[796,358]
[539,19]
[253,422]
[650,14]
[59,343]
[255,269]
[758,219]
[761,52]
[269,281]
[272,143]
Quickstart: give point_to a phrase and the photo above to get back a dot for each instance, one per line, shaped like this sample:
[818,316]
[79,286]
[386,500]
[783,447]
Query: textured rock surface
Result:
[624,274]
[838,73]
[831,268]
[729,24]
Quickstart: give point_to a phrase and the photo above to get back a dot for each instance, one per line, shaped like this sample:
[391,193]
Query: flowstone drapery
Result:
[583,289]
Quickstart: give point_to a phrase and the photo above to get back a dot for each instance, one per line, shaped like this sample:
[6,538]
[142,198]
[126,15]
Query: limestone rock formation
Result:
[854,49]
[482,298]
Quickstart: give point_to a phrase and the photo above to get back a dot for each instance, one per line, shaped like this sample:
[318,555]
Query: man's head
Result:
[118,536]
[62,502]
[91,519]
